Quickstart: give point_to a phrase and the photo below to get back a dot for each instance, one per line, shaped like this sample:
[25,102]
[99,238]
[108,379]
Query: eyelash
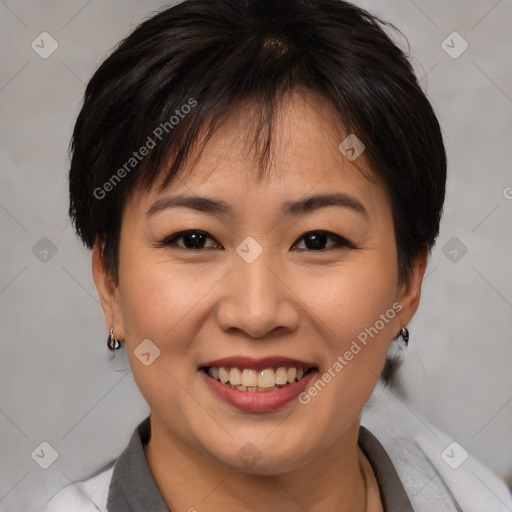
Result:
[340,241]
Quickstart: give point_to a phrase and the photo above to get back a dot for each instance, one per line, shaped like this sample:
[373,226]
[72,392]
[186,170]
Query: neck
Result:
[188,480]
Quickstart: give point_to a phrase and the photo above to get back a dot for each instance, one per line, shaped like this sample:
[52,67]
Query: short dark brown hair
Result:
[186,68]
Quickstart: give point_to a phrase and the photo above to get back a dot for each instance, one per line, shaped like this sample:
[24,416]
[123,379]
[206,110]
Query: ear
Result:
[410,291]
[108,292]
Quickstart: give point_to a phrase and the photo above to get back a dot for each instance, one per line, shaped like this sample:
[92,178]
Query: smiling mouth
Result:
[248,379]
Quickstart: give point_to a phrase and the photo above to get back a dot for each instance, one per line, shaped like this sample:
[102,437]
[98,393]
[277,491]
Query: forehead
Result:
[305,158]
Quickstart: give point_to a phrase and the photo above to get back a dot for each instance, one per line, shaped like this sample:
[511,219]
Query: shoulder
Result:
[87,496]
[435,470]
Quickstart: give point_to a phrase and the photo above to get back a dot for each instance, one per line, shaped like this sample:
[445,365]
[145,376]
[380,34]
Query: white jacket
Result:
[434,471]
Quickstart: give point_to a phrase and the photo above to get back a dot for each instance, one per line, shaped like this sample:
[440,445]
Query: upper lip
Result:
[257,364]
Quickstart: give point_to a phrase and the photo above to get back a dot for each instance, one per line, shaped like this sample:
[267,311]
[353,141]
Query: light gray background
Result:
[55,382]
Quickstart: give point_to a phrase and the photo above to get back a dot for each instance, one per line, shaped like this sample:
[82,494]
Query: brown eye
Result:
[316,240]
[192,240]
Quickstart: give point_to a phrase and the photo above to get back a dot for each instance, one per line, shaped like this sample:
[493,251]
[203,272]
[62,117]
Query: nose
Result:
[257,299]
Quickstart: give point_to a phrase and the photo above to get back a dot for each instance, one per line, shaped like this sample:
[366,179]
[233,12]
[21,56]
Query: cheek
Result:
[157,302]
[355,300]
[358,315]
[166,301]
[155,298]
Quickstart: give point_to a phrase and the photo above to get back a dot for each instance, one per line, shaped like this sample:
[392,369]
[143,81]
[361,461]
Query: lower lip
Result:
[258,401]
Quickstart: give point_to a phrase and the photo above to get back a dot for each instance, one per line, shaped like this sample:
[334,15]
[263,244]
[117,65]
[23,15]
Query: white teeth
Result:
[235,377]
[266,378]
[248,379]
[281,376]
[223,375]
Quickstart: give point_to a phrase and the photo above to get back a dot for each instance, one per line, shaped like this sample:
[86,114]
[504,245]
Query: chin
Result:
[265,457]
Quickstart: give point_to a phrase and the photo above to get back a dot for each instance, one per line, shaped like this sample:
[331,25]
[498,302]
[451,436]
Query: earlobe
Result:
[410,291]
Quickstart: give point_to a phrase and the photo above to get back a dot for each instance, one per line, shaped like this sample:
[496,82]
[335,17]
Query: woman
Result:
[261,183]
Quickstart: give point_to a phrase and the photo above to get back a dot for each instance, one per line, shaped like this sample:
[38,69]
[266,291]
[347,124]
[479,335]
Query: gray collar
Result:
[133,488]
[392,492]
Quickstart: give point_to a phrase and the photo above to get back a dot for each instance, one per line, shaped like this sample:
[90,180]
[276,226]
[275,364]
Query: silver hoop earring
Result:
[405,335]
[112,342]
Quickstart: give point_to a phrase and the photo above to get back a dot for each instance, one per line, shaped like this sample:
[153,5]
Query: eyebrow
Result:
[301,206]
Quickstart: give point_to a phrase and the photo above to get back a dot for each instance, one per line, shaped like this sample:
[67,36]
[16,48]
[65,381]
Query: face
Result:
[305,287]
